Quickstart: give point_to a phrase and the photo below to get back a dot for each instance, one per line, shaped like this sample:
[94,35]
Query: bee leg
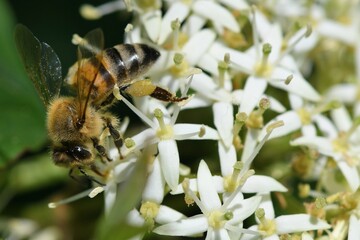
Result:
[115,134]
[90,177]
[101,150]
[147,88]
[71,174]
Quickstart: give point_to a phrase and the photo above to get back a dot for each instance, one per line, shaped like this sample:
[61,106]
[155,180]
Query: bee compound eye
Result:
[80,153]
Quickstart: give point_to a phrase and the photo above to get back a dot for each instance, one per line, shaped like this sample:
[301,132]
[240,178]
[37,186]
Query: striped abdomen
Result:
[119,65]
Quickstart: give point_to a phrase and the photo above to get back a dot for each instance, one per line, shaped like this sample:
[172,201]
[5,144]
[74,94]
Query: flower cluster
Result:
[264,71]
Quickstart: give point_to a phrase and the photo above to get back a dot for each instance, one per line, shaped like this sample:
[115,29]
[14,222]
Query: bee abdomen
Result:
[129,61]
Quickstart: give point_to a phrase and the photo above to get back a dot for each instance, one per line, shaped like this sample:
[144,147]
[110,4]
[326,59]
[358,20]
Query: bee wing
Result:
[41,63]
[89,52]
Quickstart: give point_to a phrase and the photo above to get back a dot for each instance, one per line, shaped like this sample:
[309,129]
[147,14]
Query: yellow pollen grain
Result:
[149,210]
[267,227]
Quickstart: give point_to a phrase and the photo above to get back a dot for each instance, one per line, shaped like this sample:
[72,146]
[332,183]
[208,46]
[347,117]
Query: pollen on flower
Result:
[149,210]
[217,219]
[305,116]
[129,143]
[165,131]
[266,226]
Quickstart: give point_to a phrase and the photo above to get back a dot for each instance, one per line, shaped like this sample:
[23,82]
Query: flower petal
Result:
[167,215]
[224,121]
[170,162]
[187,227]
[179,11]
[152,22]
[298,84]
[299,223]
[253,91]
[227,159]
[216,13]
[198,45]
[262,184]
[354,230]
[208,195]
[155,185]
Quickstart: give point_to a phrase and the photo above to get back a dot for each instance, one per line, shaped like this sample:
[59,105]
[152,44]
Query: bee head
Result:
[71,155]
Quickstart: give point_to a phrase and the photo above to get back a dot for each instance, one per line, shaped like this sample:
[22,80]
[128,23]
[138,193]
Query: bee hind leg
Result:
[147,88]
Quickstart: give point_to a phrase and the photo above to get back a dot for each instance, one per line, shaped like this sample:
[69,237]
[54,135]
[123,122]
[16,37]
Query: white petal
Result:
[267,204]
[236,4]
[248,207]
[262,184]
[224,121]
[291,123]
[216,13]
[135,219]
[123,170]
[326,126]
[152,22]
[337,31]
[218,183]
[167,215]
[198,45]
[275,105]
[209,63]
[219,234]
[308,130]
[240,60]
[296,101]
[208,195]
[351,173]
[298,84]
[155,185]
[227,159]
[341,118]
[187,227]
[179,11]
[143,138]
[253,91]
[354,230]
[170,162]
[193,24]
[197,101]
[323,145]
[345,93]
[249,145]
[299,223]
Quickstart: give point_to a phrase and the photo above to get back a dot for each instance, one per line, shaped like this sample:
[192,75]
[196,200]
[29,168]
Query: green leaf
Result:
[114,226]
[22,122]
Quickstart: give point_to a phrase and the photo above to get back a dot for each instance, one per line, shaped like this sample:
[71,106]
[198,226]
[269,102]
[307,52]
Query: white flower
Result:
[164,132]
[269,65]
[340,143]
[151,210]
[220,221]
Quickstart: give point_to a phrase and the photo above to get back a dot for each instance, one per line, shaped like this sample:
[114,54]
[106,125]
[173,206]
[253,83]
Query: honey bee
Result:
[75,123]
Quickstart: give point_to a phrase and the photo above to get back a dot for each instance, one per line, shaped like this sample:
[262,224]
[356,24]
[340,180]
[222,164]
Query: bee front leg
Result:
[101,149]
[90,177]
[147,88]
[115,134]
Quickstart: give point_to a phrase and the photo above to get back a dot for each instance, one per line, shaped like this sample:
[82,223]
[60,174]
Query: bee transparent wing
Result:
[89,52]
[41,63]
